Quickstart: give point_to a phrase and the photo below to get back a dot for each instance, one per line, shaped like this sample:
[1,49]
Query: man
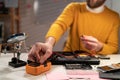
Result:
[92,28]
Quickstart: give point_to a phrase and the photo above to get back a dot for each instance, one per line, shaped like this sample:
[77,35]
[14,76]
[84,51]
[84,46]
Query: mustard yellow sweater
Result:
[75,17]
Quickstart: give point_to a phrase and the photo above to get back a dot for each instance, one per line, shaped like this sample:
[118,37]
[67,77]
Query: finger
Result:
[31,55]
[37,54]
[45,56]
[34,54]
[87,45]
[31,58]
[90,45]
[32,50]
[88,38]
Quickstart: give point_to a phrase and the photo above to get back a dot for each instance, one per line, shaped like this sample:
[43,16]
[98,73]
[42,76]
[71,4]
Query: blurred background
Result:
[34,17]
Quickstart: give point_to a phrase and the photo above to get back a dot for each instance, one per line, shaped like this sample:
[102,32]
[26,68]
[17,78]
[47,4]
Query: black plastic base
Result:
[59,58]
[17,63]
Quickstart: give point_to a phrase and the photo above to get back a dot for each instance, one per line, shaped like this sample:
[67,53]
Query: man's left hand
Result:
[91,43]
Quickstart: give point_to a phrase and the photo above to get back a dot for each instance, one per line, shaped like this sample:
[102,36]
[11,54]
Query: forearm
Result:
[50,40]
[109,49]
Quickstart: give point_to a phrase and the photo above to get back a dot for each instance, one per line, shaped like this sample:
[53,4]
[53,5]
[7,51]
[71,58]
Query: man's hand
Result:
[91,43]
[40,52]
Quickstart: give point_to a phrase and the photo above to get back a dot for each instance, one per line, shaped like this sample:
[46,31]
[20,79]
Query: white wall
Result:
[109,3]
[116,5]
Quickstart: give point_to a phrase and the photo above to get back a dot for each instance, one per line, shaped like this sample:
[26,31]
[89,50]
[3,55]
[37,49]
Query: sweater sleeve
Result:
[111,46]
[62,23]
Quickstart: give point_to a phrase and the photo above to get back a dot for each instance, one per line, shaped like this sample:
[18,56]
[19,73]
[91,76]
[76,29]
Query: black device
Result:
[76,57]
[78,66]
[109,68]
[115,75]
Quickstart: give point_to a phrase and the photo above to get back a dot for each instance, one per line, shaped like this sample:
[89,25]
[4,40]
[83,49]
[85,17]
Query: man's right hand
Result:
[40,52]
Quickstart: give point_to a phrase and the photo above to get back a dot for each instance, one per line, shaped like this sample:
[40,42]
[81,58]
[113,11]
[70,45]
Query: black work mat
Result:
[58,59]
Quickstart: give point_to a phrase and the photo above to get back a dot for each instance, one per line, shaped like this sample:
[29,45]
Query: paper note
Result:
[74,75]
[87,74]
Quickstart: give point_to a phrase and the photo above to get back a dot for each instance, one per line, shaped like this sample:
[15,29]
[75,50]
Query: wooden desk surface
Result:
[10,73]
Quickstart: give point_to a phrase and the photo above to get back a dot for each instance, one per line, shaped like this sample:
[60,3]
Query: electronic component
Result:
[78,66]
[109,68]
[79,57]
